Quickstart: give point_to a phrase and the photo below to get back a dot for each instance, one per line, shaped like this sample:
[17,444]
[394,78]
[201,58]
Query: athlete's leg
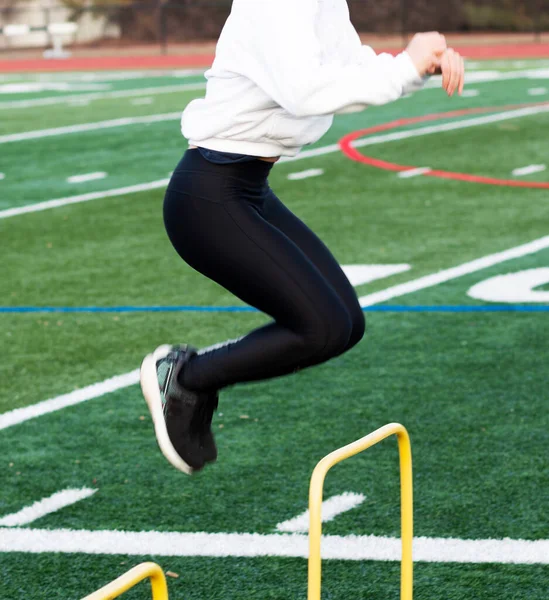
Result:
[282,218]
[215,224]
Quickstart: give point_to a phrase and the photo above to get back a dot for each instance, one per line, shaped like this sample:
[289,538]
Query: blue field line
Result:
[386,308]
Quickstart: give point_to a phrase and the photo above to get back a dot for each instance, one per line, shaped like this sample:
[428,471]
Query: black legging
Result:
[226,223]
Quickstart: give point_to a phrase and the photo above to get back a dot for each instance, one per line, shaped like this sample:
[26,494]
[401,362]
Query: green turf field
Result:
[456,350]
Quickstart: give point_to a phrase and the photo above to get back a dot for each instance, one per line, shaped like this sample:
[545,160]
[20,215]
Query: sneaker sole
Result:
[151,391]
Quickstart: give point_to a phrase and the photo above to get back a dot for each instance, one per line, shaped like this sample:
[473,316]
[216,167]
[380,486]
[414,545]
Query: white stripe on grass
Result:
[429,281]
[96,390]
[421,131]
[167,89]
[2,176]
[305,174]
[472,77]
[331,149]
[46,506]
[470,93]
[55,131]
[141,101]
[529,170]
[352,547]
[40,206]
[413,172]
[85,177]
[20,415]
[539,91]
[361,274]
[331,508]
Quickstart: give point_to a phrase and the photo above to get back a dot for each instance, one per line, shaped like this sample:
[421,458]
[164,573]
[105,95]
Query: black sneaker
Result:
[204,423]
[180,416]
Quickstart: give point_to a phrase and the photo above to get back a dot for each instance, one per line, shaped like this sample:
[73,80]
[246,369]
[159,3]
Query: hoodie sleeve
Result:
[288,63]
[368,54]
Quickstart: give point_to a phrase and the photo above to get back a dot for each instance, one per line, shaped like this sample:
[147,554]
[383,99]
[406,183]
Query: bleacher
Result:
[59,33]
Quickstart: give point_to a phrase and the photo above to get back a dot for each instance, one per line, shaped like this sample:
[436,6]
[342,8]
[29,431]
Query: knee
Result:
[331,337]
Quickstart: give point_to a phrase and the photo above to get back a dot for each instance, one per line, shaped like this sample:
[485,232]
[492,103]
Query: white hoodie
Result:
[283,68]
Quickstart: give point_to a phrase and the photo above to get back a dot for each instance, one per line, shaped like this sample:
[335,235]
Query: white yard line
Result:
[455,272]
[540,91]
[470,93]
[331,149]
[111,75]
[453,125]
[141,101]
[40,206]
[331,508]
[305,174]
[124,122]
[96,390]
[85,177]
[20,415]
[529,170]
[421,131]
[369,141]
[413,172]
[441,550]
[45,506]
[151,91]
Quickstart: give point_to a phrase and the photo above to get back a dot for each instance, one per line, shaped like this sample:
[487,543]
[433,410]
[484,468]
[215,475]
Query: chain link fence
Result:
[164,23]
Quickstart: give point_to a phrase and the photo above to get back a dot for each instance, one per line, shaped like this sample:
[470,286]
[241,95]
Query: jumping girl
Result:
[283,68]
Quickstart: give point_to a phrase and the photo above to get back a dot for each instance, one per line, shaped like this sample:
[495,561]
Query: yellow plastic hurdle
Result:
[406,501]
[158,581]
[130,579]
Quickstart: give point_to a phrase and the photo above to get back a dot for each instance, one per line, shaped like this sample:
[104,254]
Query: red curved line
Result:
[346,147]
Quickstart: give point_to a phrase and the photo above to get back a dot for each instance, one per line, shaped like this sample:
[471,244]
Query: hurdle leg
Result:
[406,499]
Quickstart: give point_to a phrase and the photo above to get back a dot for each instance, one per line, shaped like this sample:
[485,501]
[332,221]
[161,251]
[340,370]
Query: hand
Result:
[426,51]
[452,69]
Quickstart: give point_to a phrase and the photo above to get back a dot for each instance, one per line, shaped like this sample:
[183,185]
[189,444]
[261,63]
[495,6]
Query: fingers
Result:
[462,79]
[453,72]
[446,71]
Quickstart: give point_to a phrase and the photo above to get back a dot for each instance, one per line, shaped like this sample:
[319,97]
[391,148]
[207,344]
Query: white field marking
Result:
[106,75]
[452,126]
[29,87]
[449,274]
[472,77]
[141,101]
[413,172]
[352,547]
[513,287]
[20,415]
[86,177]
[420,131]
[78,102]
[12,212]
[361,274]
[2,176]
[40,206]
[539,91]
[305,174]
[167,89]
[530,170]
[331,508]
[470,93]
[42,133]
[45,506]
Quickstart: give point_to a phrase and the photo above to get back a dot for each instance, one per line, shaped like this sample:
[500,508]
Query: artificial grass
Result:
[471,389]
[58,577]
